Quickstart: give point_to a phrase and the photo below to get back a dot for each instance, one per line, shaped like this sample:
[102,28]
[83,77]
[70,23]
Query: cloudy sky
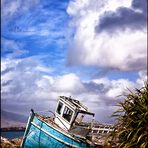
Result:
[92,50]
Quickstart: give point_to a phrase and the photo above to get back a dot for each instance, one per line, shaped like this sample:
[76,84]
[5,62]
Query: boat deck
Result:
[78,131]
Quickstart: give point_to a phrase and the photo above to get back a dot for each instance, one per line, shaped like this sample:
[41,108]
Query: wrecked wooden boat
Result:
[64,129]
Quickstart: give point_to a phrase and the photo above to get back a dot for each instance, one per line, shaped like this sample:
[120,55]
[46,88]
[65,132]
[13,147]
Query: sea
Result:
[12,134]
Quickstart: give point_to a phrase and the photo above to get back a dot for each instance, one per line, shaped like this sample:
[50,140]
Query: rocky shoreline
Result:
[13,143]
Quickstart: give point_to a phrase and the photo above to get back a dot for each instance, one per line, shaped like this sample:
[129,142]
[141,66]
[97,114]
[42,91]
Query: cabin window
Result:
[59,108]
[105,131]
[95,131]
[100,131]
[67,114]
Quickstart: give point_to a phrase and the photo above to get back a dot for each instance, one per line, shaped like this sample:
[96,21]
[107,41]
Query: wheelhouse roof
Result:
[76,104]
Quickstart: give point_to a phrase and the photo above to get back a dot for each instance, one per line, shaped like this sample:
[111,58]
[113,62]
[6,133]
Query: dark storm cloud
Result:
[94,87]
[6,83]
[140,4]
[7,70]
[133,18]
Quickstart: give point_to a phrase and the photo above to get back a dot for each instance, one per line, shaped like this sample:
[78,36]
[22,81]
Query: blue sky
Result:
[89,49]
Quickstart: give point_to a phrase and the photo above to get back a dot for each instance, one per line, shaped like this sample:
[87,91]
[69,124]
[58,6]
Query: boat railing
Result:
[53,116]
[46,111]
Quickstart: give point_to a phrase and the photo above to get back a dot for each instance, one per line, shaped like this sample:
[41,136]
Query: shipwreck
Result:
[65,128]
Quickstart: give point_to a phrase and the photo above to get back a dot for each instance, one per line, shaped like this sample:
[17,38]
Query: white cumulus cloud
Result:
[122,49]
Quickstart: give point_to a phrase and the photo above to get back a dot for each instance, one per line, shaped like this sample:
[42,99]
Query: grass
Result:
[131,129]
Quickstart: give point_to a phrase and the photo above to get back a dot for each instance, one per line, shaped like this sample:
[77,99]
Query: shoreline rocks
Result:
[13,143]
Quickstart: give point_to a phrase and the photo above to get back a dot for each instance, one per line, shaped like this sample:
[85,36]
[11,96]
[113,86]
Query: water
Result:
[12,134]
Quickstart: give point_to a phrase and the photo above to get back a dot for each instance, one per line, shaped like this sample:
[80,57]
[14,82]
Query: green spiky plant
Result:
[131,130]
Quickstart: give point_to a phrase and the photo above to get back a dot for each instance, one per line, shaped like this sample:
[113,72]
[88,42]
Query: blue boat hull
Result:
[39,134]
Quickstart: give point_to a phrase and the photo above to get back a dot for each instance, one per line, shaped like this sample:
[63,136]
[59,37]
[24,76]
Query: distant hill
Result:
[9,119]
